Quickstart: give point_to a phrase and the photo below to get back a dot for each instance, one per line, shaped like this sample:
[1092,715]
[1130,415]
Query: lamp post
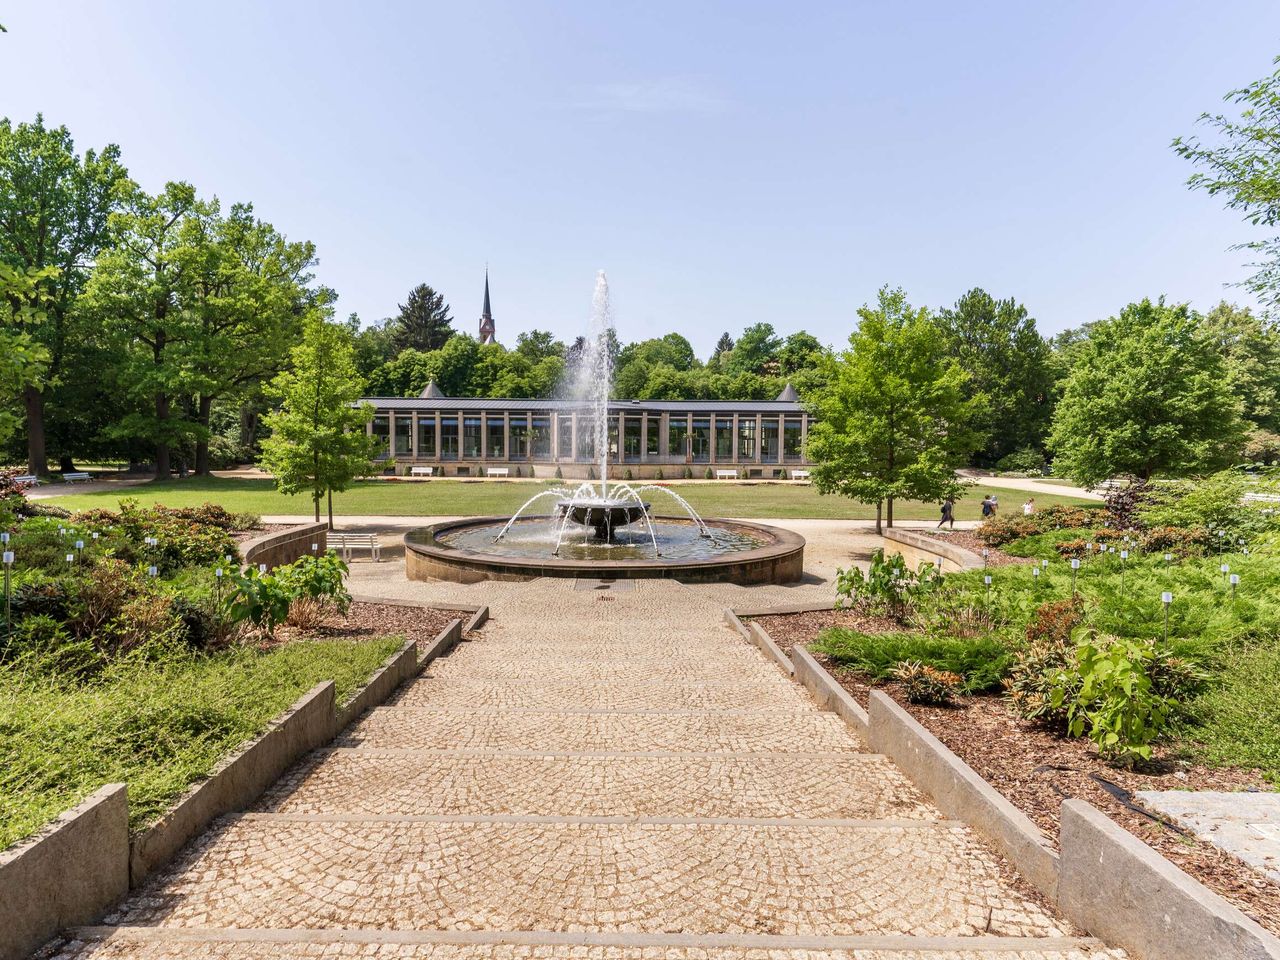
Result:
[8,593]
[984,556]
[1166,598]
[1075,568]
[1235,582]
[1225,568]
[1124,556]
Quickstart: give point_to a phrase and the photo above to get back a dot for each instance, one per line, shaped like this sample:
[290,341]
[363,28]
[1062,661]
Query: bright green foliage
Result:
[259,598]
[894,422]
[318,578]
[423,322]
[1211,504]
[981,660]
[888,587]
[1010,369]
[1250,345]
[1240,164]
[318,441]
[24,360]
[755,350]
[1147,395]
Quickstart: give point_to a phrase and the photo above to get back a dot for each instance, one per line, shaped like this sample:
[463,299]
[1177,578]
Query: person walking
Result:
[988,507]
[948,513]
[1029,507]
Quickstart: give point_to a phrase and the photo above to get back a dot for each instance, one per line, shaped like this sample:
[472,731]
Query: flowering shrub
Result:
[925,684]
[997,531]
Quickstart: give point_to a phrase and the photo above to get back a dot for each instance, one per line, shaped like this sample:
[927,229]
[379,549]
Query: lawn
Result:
[497,497]
[158,725]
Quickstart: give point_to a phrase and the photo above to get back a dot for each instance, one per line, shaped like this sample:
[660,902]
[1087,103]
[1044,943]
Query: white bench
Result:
[27,480]
[76,477]
[799,474]
[726,474]
[422,471]
[346,542]
[497,472]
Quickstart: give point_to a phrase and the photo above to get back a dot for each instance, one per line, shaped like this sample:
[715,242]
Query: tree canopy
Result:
[423,322]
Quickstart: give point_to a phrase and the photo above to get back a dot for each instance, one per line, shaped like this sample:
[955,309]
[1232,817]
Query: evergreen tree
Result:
[894,421]
[423,322]
[318,441]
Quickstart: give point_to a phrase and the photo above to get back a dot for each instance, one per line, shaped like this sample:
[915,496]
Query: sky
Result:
[726,163]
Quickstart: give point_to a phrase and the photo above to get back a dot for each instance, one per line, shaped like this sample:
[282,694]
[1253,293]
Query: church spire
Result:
[486,317]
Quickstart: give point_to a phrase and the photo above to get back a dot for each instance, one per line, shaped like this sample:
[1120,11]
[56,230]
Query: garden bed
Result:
[968,540]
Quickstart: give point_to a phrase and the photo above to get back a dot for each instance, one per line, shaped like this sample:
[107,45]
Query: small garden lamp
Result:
[1166,598]
[262,568]
[8,602]
[984,556]
[71,559]
[152,571]
[1124,555]
[1044,564]
[1235,582]
[1225,568]
[1035,572]
[1168,558]
[987,581]
[80,549]
[1075,567]
[315,549]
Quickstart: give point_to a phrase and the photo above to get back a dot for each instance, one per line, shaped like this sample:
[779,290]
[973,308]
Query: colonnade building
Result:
[467,437]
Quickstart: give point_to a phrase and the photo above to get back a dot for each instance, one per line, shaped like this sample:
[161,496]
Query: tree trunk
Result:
[890,511]
[248,424]
[202,445]
[66,464]
[879,507]
[36,456]
[330,492]
[315,502]
[163,465]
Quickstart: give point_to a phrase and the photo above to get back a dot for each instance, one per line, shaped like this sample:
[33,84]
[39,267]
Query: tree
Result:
[423,322]
[801,351]
[23,359]
[1148,394]
[1243,166]
[722,347]
[537,345]
[1010,364]
[1250,346]
[755,350]
[138,294]
[318,442]
[54,211]
[894,421]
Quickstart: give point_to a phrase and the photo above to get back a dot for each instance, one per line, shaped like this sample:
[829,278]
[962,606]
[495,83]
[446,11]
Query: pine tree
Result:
[423,322]
[318,441]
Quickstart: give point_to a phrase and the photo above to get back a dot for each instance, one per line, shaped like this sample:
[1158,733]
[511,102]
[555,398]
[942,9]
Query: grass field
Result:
[483,497]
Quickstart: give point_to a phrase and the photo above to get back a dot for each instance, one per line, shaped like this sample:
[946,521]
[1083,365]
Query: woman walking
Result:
[948,513]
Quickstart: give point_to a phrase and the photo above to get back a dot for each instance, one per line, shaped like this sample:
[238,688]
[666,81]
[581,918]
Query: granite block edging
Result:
[758,637]
[1103,879]
[918,548]
[69,874]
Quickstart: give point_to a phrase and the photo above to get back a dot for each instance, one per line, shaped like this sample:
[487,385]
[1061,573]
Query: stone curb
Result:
[1116,887]
[828,694]
[73,871]
[442,644]
[284,546]
[757,637]
[959,792]
[924,549]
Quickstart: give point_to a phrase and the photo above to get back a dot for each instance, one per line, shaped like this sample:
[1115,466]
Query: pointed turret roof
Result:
[789,395]
[431,392]
[486,315]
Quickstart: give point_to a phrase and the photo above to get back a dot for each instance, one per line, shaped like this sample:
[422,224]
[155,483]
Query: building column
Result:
[760,440]
[804,438]
[413,435]
[735,439]
[506,436]
[439,451]
[644,437]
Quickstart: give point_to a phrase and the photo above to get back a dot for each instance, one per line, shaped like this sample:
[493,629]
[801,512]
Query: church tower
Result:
[486,318]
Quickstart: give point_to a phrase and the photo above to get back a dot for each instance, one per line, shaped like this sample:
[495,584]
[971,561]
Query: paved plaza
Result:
[603,772]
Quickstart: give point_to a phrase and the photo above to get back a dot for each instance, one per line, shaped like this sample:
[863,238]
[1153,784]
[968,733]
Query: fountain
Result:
[613,541]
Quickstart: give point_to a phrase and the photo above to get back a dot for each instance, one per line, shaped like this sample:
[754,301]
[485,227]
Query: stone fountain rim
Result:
[783,544]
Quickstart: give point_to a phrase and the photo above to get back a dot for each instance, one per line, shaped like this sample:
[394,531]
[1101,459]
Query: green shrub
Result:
[925,684]
[658,474]
[1036,670]
[709,474]
[1024,460]
[317,578]
[259,598]
[888,587]
[1211,504]
[1177,540]
[559,473]
[981,661]
[688,473]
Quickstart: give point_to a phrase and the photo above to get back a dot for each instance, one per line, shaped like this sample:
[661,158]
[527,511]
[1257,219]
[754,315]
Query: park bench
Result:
[27,480]
[422,471]
[799,474]
[76,477]
[346,542]
[497,472]
[726,474]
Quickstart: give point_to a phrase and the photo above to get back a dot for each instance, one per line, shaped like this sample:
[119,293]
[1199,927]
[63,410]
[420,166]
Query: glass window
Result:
[677,436]
[724,438]
[404,435]
[541,437]
[791,438]
[746,438]
[631,439]
[382,430]
[586,438]
[701,440]
[519,432]
[494,443]
[565,437]
[448,438]
[651,437]
[769,440]
[471,438]
[613,439]
[426,436]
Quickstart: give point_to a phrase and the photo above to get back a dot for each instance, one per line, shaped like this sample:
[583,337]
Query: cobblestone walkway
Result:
[603,774]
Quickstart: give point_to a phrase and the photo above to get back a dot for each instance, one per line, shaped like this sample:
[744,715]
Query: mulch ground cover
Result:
[242,536]
[1036,769]
[968,540]
[372,621]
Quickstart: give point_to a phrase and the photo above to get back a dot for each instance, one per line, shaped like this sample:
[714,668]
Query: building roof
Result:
[486,315]
[432,392]
[788,394]
[615,406]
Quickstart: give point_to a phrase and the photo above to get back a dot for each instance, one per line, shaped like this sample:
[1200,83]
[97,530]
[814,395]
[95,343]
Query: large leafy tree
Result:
[55,207]
[1148,394]
[895,419]
[1240,161]
[23,358]
[1250,345]
[140,293]
[423,322]
[755,350]
[1010,365]
[318,442]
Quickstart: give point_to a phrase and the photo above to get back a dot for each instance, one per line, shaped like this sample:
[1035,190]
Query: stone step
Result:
[698,877]
[728,664]
[152,943]
[859,786]
[584,732]
[769,689]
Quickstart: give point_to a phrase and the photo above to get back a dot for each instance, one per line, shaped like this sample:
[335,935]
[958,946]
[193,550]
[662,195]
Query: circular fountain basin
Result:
[606,517]
[734,552]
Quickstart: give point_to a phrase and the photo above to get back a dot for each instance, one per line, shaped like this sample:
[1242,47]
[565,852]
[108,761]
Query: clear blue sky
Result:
[727,163]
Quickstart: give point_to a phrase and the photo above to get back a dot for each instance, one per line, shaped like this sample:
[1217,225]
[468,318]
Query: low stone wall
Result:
[68,875]
[917,549]
[285,546]
[828,694]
